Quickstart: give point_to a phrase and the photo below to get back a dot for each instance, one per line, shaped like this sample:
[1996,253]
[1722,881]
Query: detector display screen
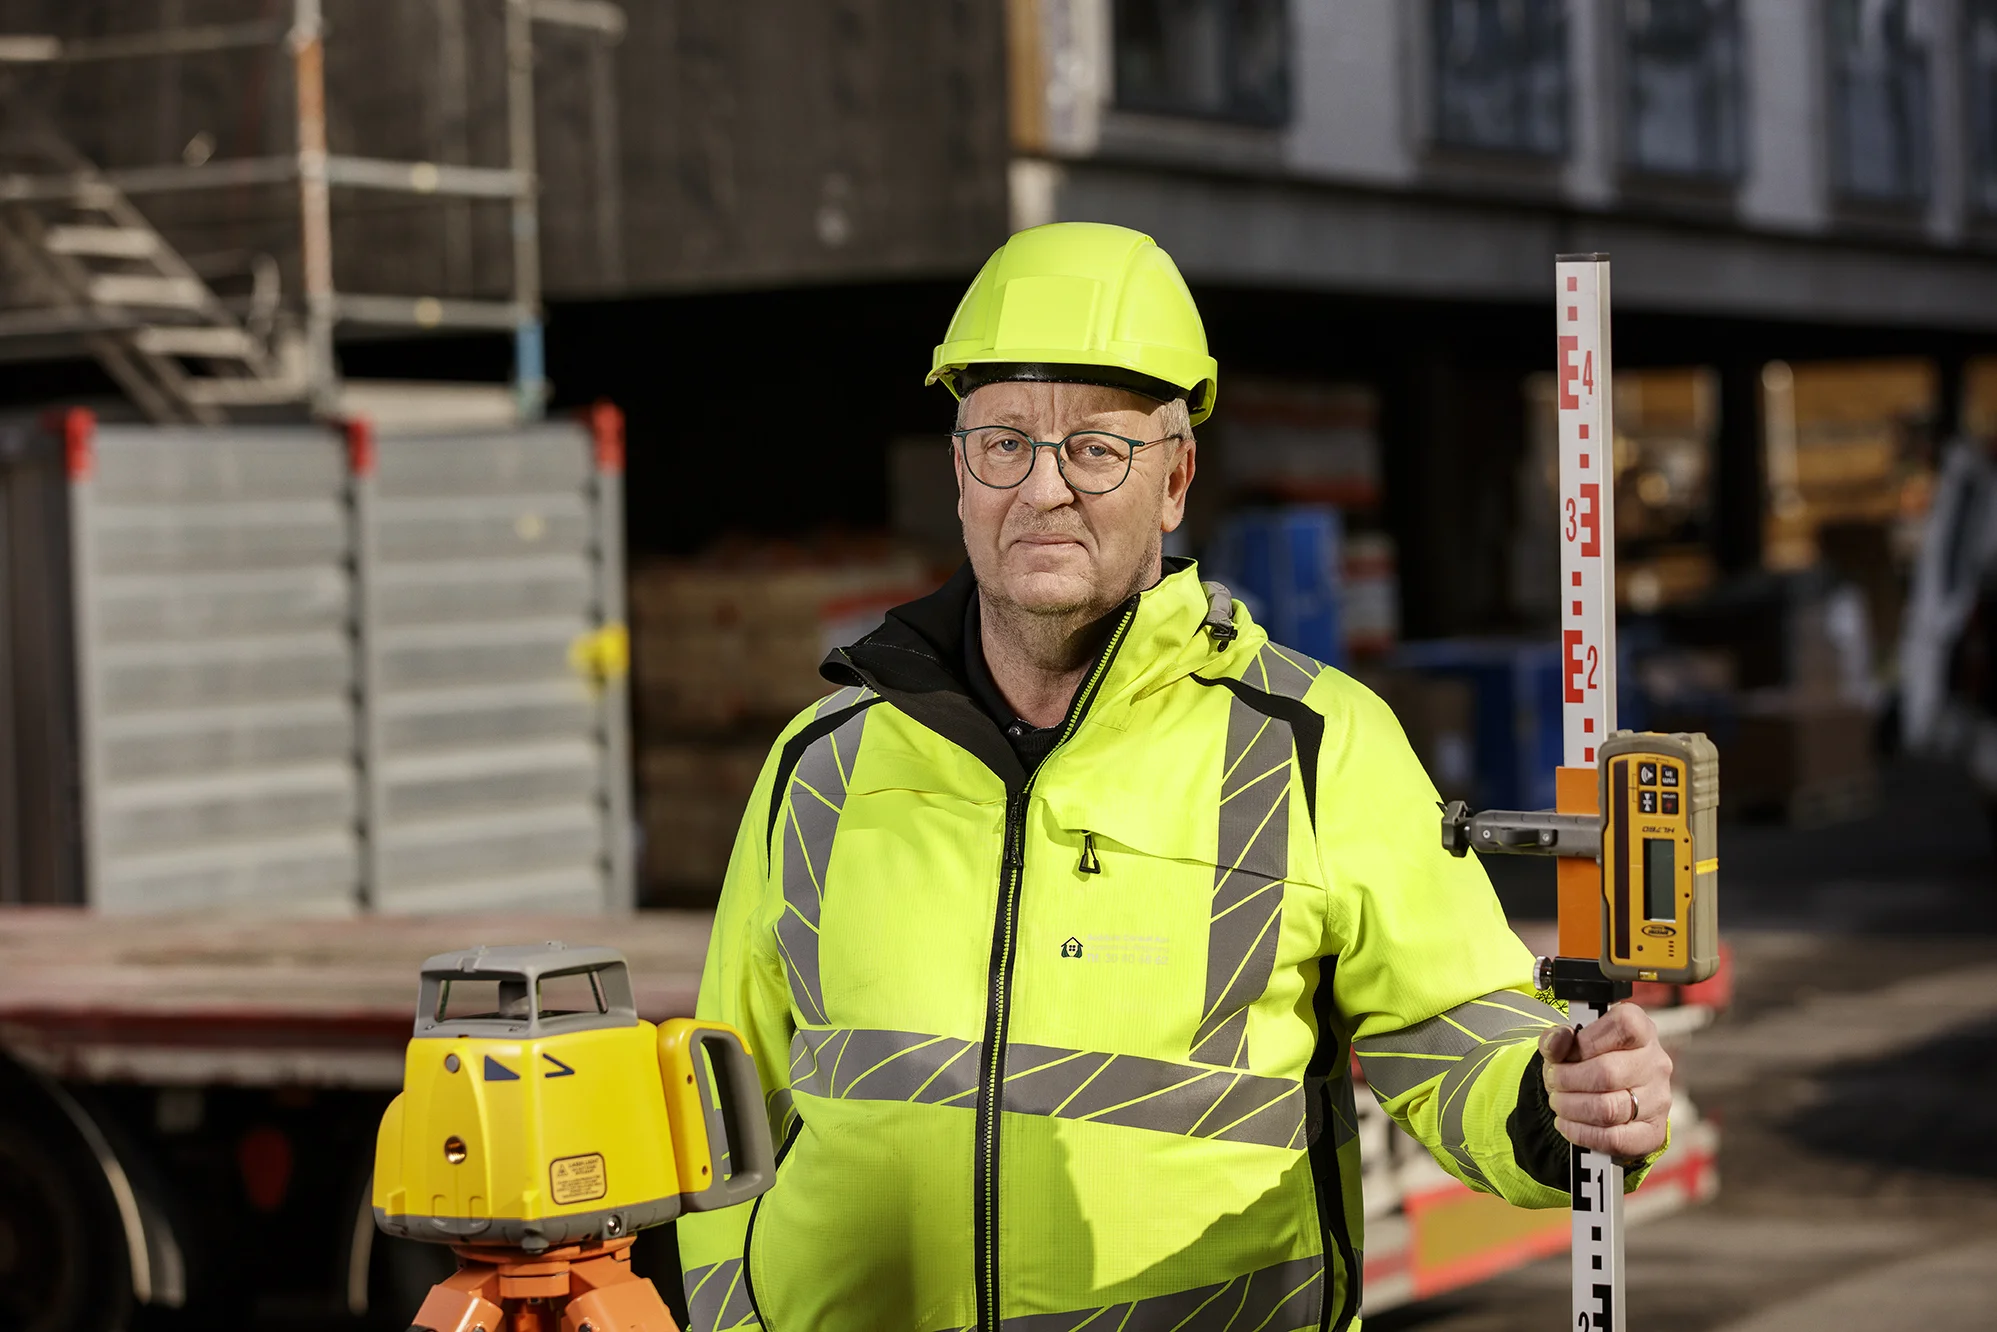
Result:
[1660,878]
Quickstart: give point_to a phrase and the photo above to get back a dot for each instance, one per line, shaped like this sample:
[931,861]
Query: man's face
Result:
[1046,549]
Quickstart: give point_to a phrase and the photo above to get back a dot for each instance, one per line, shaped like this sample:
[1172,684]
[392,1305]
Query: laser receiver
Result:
[1660,798]
[1656,841]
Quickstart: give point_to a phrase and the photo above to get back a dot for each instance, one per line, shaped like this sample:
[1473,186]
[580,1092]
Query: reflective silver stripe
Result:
[1154,1094]
[816,795]
[863,1065]
[716,1298]
[1125,1090]
[780,1110]
[1456,1045]
[1252,858]
[1284,671]
[1453,1098]
[1400,1061]
[1271,1299]
[1344,1111]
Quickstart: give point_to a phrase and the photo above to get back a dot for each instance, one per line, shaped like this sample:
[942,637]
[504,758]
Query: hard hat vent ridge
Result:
[1083,294]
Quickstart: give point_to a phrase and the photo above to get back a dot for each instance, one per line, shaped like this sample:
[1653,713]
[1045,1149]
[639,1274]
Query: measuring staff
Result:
[1633,825]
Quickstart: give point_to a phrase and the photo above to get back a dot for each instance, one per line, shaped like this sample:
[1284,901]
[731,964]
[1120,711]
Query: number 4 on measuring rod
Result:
[1569,372]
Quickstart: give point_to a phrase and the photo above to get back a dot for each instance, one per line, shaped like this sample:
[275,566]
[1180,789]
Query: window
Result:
[1226,59]
[1879,97]
[1501,74]
[1980,52]
[1683,86]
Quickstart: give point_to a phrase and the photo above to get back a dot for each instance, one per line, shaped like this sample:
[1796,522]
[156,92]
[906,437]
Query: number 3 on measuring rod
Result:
[1584,519]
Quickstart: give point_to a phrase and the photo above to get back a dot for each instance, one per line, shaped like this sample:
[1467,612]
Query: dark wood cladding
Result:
[780,140]
[753,142]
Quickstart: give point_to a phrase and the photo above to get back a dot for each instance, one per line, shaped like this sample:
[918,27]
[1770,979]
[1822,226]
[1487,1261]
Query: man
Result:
[1054,929]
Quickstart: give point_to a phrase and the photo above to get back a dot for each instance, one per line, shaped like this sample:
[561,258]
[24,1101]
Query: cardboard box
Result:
[1804,759]
[692,797]
[716,647]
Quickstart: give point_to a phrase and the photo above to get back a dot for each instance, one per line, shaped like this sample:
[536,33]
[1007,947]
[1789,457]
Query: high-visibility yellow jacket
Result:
[1043,1044]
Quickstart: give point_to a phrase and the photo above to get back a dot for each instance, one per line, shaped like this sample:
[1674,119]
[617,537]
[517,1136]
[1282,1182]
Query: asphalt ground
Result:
[1855,1081]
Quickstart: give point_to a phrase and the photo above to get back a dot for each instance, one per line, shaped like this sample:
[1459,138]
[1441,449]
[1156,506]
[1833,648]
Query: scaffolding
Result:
[86,270]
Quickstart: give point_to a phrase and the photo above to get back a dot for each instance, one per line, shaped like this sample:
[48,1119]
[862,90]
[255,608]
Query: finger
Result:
[1558,1045]
[1638,1139]
[1623,1027]
[1601,1109]
[1604,1073]
[1655,1100]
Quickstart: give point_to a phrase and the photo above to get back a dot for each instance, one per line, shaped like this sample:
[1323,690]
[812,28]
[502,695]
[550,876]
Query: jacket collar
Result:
[916,658]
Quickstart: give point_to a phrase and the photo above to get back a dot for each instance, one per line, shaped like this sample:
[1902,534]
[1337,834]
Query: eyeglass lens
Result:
[1002,457]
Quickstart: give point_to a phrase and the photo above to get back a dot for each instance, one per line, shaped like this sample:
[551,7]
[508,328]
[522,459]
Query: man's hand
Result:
[1591,1075]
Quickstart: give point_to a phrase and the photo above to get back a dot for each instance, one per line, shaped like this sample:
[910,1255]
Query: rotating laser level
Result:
[542,1123]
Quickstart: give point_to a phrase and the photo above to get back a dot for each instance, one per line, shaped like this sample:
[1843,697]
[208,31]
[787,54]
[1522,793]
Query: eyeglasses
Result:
[1092,462]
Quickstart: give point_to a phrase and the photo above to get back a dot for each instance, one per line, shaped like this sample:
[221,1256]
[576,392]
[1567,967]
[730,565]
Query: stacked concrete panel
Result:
[487,583]
[319,674]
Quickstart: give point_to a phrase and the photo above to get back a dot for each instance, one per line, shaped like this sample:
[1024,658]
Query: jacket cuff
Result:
[1546,1156]
[1537,1146]
[1636,1167]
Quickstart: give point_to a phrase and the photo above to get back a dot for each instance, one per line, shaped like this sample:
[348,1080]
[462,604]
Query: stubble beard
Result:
[1055,633]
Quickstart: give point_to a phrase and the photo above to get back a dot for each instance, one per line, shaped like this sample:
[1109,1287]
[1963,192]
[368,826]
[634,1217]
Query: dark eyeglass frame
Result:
[1060,447]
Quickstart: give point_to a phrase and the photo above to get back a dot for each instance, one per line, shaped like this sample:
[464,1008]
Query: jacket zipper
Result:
[1090,862]
[1012,870]
[749,1234]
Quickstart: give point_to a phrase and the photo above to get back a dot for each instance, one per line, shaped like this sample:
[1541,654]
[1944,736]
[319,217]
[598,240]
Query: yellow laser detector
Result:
[1660,798]
[539,1110]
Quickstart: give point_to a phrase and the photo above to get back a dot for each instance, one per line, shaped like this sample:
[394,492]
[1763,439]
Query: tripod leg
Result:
[605,1295]
[463,1302]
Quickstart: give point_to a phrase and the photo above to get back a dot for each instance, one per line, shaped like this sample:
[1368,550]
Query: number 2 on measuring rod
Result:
[1581,659]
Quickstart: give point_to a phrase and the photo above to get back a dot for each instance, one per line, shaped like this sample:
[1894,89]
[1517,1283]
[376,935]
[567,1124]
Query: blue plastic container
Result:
[1517,690]
[1286,564]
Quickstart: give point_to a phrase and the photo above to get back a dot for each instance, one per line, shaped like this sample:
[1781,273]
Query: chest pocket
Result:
[1270,736]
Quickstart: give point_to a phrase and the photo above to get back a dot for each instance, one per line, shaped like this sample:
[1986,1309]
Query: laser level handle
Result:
[734,1119]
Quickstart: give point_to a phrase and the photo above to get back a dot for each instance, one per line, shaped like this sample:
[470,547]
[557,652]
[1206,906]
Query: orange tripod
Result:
[576,1288]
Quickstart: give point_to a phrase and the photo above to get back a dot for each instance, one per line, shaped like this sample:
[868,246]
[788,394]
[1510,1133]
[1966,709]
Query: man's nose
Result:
[1044,486]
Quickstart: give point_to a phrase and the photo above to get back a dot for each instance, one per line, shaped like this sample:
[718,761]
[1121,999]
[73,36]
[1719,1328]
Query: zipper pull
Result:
[1089,865]
[1015,833]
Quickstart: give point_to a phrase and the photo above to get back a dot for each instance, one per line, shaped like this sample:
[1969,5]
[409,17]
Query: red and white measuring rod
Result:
[1587,509]
[1588,711]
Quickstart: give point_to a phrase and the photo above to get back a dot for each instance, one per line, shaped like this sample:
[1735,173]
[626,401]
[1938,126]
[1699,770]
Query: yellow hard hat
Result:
[1081,303]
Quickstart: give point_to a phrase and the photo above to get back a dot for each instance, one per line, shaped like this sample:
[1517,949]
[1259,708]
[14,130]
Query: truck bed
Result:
[214,999]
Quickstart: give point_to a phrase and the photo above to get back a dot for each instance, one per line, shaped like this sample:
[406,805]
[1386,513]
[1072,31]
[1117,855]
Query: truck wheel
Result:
[63,1260]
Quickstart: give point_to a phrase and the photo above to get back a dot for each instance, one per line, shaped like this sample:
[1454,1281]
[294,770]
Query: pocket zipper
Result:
[1090,864]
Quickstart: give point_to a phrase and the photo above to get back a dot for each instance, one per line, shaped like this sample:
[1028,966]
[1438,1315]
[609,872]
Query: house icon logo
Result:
[1072,948]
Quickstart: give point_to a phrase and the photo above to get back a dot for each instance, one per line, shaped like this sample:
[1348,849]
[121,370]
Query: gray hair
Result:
[1178,419]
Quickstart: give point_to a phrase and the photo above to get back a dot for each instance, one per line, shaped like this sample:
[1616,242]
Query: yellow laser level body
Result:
[527,1126]
[1660,798]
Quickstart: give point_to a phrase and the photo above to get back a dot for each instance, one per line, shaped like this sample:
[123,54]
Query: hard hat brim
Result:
[963,380]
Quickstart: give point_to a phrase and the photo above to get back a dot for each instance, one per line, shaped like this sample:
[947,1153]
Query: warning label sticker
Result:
[577,1179]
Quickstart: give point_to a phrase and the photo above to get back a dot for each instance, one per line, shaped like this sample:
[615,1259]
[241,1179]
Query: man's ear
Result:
[1178,481]
[957,470]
